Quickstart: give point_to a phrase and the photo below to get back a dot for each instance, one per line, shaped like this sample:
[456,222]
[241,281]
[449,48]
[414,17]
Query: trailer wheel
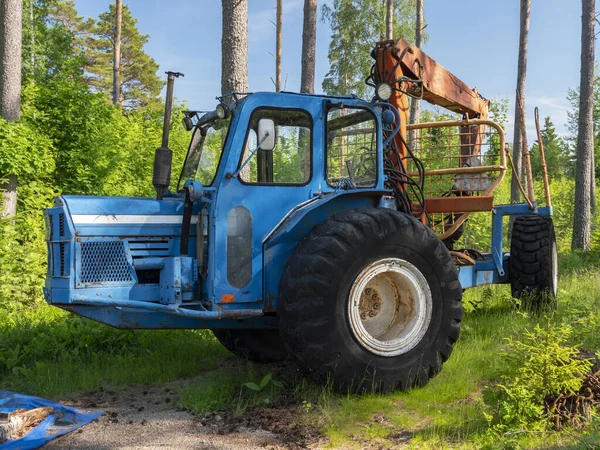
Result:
[533,266]
[370,300]
[259,346]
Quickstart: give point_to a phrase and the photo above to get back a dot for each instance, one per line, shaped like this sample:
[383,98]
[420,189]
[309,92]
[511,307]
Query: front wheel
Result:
[370,300]
[259,346]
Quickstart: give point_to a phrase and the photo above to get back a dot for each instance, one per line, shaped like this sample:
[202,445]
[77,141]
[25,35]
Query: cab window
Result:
[351,147]
[290,160]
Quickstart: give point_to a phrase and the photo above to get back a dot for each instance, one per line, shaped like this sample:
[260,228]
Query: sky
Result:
[477,40]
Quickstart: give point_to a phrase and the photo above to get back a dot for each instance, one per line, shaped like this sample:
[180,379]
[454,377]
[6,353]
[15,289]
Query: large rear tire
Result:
[260,346]
[533,262]
[370,300]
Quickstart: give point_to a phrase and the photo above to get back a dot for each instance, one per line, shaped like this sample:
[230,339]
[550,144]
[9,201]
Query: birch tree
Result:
[585,134]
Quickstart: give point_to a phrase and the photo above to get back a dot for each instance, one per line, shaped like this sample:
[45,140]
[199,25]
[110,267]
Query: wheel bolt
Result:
[368,291]
[376,306]
[363,316]
[374,297]
[371,313]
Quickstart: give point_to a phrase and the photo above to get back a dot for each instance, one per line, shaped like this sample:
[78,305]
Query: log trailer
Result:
[311,227]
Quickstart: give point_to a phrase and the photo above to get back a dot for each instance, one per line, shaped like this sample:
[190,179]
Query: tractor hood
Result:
[122,216]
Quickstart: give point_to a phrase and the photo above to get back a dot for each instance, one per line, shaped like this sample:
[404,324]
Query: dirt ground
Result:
[145,417]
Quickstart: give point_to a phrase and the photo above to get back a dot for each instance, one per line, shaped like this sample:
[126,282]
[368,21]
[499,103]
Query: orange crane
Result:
[402,70]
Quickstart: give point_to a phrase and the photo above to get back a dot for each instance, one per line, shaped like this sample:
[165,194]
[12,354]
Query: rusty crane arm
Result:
[412,73]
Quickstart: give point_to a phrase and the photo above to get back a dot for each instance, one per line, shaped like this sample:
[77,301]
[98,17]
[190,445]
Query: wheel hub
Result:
[390,307]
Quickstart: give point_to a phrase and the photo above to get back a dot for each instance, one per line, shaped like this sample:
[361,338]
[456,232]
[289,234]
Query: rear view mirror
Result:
[266,134]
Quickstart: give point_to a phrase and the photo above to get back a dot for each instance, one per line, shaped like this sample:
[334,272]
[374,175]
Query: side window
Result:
[351,147]
[290,160]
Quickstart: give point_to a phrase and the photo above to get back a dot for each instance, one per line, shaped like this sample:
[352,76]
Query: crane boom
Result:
[404,70]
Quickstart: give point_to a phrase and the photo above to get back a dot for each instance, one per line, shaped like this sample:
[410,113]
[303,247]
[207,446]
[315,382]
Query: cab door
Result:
[260,187]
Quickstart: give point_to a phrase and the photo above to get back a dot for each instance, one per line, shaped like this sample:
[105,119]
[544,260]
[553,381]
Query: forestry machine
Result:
[318,228]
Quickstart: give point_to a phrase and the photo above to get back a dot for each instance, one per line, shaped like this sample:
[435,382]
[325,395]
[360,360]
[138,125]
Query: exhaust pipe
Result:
[163,156]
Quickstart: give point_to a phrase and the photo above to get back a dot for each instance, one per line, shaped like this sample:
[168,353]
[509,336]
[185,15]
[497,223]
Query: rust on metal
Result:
[459,204]
[440,87]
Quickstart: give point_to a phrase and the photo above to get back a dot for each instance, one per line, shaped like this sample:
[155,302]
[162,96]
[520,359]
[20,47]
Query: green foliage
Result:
[356,25]
[24,151]
[543,364]
[556,153]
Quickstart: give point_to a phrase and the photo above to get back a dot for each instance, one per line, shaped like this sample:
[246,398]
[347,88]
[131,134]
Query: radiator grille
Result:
[61,224]
[104,262]
[63,271]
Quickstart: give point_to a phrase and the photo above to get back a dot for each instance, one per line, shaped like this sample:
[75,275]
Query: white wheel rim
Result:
[390,307]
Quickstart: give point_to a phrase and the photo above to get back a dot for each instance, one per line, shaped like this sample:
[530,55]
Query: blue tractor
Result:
[309,227]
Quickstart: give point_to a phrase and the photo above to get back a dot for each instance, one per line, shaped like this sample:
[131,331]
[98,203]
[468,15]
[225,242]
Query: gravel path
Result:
[144,417]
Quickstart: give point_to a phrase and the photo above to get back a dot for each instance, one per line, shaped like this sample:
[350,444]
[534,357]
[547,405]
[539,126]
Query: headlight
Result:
[383,92]
[222,111]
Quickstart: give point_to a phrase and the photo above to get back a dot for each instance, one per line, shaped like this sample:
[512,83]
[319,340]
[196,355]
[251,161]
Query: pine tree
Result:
[555,150]
[139,84]
[234,46]
[10,88]
[585,135]
[309,43]
[517,156]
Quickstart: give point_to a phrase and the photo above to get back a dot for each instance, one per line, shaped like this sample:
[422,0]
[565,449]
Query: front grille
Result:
[104,262]
[145,248]
[61,224]
[63,271]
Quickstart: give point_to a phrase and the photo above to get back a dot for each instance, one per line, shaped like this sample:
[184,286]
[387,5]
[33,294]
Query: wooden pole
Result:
[542,158]
[525,148]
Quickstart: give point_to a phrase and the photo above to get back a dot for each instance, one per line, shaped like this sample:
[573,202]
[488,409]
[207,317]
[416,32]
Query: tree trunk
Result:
[593,185]
[307,78]
[415,105]
[11,16]
[278,45]
[117,53]
[234,47]
[585,135]
[309,44]
[32,25]
[517,157]
[389,20]
[11,20]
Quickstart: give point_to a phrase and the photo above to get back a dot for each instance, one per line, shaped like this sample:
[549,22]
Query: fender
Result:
[281,241]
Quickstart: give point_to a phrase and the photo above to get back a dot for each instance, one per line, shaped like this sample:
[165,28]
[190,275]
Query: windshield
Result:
[205,152]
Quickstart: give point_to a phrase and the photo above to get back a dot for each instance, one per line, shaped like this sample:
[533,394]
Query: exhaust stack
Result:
[163,156]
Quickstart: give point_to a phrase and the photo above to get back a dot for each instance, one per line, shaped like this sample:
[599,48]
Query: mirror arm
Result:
[234,175]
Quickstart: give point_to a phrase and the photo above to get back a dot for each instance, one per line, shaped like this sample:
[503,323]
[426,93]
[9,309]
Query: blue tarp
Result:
[64,420]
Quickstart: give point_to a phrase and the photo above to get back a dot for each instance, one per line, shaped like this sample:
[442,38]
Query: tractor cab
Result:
[258,170]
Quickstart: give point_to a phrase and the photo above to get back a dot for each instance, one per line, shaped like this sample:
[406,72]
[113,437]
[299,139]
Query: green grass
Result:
[47,352]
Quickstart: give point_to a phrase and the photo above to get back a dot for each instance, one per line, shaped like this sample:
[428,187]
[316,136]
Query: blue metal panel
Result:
[281,244]
[494,268]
